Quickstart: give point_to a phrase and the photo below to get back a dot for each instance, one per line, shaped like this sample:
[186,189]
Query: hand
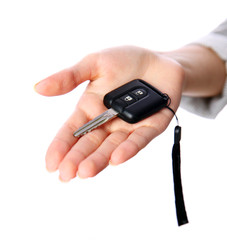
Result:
[115,141]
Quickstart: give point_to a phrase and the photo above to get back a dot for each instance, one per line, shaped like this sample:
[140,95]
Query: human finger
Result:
[85,146]
[137,140]
[64,140]
[67,79]
[99,160]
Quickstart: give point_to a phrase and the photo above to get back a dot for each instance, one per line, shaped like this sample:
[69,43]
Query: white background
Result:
[131,201]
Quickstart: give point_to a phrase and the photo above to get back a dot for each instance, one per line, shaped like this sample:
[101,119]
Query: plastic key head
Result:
[136,100]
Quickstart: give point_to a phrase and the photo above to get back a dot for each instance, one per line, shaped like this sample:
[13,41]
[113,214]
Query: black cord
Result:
[173,114]
[176,162]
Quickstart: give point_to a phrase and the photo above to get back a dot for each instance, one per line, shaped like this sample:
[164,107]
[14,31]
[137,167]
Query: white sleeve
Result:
[210,107]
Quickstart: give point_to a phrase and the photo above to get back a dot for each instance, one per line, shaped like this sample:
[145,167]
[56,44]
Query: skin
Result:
[192,70]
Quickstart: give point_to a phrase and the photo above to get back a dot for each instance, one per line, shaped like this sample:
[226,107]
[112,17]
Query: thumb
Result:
[67,79]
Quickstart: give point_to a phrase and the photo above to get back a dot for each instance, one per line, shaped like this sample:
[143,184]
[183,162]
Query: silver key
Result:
[96,122]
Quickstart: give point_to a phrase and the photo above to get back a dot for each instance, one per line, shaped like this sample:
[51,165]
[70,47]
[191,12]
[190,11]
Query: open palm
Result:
[115,141]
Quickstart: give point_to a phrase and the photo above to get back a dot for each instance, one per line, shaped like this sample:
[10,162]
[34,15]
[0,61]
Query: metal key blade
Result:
[96,122]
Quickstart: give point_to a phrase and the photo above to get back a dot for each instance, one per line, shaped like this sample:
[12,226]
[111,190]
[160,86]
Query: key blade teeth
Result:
[89,127]
[96,122]
[80,132]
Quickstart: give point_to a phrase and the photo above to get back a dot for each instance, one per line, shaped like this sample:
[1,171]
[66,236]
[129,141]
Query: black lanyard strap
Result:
[179,197]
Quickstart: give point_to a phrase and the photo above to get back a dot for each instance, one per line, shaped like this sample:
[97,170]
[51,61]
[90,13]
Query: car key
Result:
[132,102]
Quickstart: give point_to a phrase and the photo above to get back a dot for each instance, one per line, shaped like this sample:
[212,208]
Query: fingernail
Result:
[112,164]
[35,86]
[63,179]
[51,167]
[78,175]
[38,87]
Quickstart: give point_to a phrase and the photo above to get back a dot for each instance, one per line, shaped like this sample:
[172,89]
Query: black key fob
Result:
[136,100]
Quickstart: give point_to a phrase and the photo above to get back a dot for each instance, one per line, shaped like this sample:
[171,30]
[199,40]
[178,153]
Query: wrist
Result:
[204,70]
[167,75]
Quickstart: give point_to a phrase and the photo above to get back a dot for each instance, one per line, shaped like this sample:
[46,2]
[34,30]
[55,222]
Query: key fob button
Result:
[139,93]
[128,99]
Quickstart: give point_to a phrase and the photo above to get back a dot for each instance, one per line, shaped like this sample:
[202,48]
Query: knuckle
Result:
[116,138]
[93,138]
